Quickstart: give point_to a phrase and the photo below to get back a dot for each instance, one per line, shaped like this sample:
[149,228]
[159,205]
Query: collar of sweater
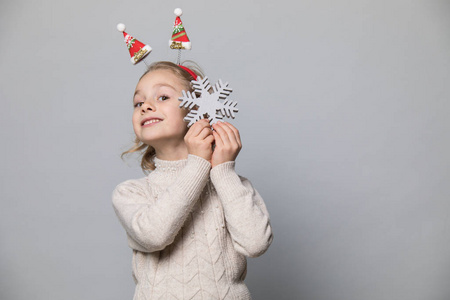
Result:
[169,166]
[165,171]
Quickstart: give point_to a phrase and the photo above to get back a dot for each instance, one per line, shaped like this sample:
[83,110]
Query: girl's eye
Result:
[139,104]
[162,98]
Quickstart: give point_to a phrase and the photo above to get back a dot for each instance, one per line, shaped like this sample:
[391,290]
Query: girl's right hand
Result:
[199,139]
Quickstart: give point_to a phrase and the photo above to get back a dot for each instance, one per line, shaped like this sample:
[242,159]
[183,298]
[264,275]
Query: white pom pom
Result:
[121,27]
[178,12]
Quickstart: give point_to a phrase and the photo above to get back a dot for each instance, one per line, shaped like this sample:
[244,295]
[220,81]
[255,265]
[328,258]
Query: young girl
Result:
[192,221]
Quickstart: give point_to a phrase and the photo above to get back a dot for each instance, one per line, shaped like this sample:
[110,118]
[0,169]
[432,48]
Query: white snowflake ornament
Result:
[212,106]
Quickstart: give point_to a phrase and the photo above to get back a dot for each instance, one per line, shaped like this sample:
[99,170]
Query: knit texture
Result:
[190,228]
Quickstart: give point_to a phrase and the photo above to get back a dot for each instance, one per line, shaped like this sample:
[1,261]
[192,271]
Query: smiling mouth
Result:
[152,121]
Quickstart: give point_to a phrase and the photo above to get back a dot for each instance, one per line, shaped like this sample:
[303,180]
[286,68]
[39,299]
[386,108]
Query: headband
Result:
[179,41]
[194,76]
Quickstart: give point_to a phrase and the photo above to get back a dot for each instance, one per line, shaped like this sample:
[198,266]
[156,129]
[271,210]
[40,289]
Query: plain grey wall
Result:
[344,113]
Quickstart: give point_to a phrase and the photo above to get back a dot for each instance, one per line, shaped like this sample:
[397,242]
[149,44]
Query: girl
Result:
[192,221]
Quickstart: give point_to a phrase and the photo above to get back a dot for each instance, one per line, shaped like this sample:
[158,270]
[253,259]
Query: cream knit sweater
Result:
[190,228]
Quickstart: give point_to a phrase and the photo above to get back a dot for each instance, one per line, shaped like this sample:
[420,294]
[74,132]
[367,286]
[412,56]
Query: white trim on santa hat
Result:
[147,50]
[184,45]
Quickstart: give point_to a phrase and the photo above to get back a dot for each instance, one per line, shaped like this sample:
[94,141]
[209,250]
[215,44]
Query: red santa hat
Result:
[137,49]
[179,38]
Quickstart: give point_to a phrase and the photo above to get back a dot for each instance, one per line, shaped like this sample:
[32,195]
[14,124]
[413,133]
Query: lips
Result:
[150,121]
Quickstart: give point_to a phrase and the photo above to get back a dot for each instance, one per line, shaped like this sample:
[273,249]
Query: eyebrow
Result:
[136,92]
[166,85]
[158,85]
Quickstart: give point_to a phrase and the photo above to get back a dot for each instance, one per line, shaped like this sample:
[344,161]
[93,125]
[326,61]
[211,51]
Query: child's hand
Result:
[199,139]
[228,143]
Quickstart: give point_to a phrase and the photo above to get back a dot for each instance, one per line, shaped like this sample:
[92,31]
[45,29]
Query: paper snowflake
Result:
[212,106]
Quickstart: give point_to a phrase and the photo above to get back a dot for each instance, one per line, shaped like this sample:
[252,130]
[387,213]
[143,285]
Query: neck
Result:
[171,151]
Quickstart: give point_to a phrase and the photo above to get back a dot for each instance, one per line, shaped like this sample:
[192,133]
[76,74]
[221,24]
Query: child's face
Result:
[157,118]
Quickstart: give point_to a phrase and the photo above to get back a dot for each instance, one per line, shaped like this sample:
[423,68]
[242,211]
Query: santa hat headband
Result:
[179,41]
[179,38]
[137,49]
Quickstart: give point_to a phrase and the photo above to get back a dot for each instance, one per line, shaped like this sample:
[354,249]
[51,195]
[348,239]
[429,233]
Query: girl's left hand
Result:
[228,143]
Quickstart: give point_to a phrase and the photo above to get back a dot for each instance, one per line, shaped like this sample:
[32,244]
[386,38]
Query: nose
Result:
[147,106]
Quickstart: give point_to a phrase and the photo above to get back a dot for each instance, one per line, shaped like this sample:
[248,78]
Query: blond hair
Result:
[147,152]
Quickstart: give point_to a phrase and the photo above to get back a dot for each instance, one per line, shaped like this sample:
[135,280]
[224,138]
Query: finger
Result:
[222,133]
[198,127]
[206,131]
[228,134]
[210,139]
[236,133]
[218,139]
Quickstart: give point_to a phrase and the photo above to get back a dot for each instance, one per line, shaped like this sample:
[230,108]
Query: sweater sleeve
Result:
[152,224]
[246,215]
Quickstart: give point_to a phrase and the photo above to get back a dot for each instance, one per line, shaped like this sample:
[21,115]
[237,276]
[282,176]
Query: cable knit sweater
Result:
[190,228]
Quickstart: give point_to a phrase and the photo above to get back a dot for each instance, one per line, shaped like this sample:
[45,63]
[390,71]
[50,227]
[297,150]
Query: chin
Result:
[148,138]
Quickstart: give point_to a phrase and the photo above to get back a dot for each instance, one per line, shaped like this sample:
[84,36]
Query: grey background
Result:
[344,111]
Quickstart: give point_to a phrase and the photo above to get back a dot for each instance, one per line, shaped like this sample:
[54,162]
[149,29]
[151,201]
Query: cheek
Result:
[183,114]
[181,123]
[135,120]
[185,128]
